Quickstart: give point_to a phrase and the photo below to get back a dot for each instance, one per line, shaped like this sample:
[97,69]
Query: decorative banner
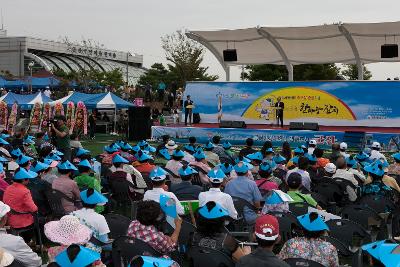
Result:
[336,103]
[12,120]
[36,116]
[58,109]
[3,115]
[389,141]
[45,117]
[70,116]
[80,125]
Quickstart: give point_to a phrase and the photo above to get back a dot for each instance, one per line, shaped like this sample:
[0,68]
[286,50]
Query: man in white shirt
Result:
[375,154]
[312,144]
[15,245]
[158,177]
[352,166]
[216,177]
[343,148]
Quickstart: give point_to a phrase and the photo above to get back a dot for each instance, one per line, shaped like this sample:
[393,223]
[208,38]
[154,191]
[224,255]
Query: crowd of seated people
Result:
[189,198]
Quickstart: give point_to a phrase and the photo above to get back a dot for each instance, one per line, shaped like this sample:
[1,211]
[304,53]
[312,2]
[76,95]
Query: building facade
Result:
[16,53]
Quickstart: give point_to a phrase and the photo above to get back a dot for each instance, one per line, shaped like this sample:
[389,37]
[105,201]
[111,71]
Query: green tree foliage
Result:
[304,72]
[155,75]
[92,77]
[350,72]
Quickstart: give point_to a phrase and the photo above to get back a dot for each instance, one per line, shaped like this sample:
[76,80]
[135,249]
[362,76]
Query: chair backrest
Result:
[200,257]
[196,177]
[171,173]
[346,230]
[120,190]
[118,224]
[240,204]
[296,262]
[330,190]
[125,248]
[54,198]
[362,215]
[299,208]
[187,229]
[380,204]
[287,225]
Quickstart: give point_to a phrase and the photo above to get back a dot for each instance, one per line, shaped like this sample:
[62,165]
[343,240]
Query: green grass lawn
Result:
[96,146]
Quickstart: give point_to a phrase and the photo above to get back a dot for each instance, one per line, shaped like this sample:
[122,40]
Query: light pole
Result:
[30,67]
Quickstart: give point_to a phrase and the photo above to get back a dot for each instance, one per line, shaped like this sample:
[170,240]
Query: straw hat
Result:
[68,230]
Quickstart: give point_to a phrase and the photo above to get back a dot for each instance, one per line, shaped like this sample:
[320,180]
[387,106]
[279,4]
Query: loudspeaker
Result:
[139,123]
[313,126]
[230,55]
[389,51]
[196,118]
[232,124]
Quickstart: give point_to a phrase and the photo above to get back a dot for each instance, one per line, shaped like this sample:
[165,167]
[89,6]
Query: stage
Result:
[327,135]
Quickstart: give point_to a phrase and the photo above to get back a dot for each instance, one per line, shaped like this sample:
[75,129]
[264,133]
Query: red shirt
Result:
[144,167]
[19,198]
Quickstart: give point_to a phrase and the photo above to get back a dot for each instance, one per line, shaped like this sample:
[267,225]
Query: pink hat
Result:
[68,230]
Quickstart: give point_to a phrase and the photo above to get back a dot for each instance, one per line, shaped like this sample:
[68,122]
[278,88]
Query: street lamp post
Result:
[30,67]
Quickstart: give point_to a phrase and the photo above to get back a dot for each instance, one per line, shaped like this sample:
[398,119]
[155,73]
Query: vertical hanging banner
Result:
[332,103]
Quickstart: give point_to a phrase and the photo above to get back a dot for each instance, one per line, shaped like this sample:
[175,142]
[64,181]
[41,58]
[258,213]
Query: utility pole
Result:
[127,68]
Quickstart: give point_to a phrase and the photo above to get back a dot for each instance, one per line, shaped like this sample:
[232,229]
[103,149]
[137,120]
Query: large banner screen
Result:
[334,103]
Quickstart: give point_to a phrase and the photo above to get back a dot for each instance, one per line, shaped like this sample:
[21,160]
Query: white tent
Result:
[354,43]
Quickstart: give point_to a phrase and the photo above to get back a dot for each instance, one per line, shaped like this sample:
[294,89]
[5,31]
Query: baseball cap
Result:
[376,145]
[267,227]
[330,168]
[343,145]
[294,180]
[312,142]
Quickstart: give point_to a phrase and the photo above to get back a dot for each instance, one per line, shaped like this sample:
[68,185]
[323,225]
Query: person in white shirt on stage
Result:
[215,194]
[158,177]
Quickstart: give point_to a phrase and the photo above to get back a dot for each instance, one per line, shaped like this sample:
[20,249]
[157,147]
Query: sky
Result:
[137,26]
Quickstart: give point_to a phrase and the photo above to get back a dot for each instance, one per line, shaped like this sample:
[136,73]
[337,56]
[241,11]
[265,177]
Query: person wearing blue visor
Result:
[312,169]
[279,159]
[355,168]
[165,138]
[377,182]
[227,168]
[29,146]
[81,151]
[212,157]
[76,256]
[383,253]
[276,201]
[162,157]
[266,180]
[175,164]
[256,158]
[248,149]
[49,174]
[84,179]
[90,218]
[19,198]
[394,168]
[65,184]
[121,170]
[24,161]
[146,227]
[112,148]
[245,188]
[211,219]
[158,177]
[201,164]
[53,156]
[39,187]
[147,261]
[269,153]
[188,150]
[216,179]
[185,190]
[314,228]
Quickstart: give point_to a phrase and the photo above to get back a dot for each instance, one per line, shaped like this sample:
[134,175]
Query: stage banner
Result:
[333,103]
[388,141]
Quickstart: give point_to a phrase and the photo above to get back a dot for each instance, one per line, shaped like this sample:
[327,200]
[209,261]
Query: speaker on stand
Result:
[139,123]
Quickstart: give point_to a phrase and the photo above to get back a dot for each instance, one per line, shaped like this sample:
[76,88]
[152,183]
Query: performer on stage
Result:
[280,106]
[188,105]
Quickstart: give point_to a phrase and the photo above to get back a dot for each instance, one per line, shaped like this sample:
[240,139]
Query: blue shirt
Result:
[246,189]
[161,86]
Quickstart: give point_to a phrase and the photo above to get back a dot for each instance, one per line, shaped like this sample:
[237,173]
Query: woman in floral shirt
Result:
[311,246]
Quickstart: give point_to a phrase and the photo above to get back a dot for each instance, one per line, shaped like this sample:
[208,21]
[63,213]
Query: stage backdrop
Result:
[333,103]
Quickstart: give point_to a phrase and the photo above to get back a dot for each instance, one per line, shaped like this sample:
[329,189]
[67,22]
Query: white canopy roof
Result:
[354,43]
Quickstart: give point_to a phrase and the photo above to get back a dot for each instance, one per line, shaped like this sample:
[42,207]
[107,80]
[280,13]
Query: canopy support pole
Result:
[227,74]
[280,50]
[115,120]
[350,40]
[213,50]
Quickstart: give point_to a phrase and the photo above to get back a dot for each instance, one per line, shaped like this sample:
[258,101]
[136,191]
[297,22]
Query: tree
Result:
[304,72]
[350,72]
[155,75]
[185,57]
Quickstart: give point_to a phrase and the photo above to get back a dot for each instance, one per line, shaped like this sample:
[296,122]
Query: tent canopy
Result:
[25,101]
[37,83]
[91,101]
[354,43]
